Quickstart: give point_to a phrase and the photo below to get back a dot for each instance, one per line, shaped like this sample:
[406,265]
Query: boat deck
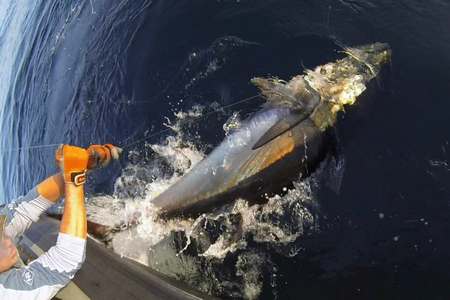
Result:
[105,275]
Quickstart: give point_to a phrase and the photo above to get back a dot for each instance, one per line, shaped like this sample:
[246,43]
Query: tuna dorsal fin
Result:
[281,127]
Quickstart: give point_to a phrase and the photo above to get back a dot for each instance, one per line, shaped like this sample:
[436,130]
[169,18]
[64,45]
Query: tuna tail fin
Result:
[281,127]
[296,94]
[277,92]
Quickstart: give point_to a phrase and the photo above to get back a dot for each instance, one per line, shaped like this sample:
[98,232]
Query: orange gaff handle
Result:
[101,155]
[73,162]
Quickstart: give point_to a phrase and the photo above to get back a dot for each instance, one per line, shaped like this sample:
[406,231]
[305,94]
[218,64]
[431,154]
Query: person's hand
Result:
[73,162]
[101,155]
[8,254]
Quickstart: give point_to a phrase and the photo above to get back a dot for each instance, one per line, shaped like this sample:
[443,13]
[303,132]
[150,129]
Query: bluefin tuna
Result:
[287,137]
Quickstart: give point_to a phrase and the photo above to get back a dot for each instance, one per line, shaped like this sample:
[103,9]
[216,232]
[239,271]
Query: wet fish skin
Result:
[287,137]
[234,169]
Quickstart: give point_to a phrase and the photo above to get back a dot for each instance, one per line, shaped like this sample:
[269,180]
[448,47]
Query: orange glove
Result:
[73,162]
[100,155]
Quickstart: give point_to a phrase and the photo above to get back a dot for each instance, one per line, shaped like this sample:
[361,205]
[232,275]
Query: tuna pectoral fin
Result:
[281,127]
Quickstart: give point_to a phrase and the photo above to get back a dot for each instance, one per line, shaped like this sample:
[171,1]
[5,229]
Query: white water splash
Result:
[131,204]
[278,224]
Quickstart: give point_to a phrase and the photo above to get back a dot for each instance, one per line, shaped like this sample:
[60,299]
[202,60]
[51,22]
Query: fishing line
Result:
[50,146]
[196,118]
[29,148]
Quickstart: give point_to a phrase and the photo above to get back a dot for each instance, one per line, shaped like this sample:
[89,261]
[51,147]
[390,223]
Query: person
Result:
[46,275]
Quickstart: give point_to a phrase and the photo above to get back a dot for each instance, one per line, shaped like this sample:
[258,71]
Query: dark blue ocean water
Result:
[111,71]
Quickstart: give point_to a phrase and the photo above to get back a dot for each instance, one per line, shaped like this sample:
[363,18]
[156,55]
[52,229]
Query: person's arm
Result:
[26,210]
[46,275]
